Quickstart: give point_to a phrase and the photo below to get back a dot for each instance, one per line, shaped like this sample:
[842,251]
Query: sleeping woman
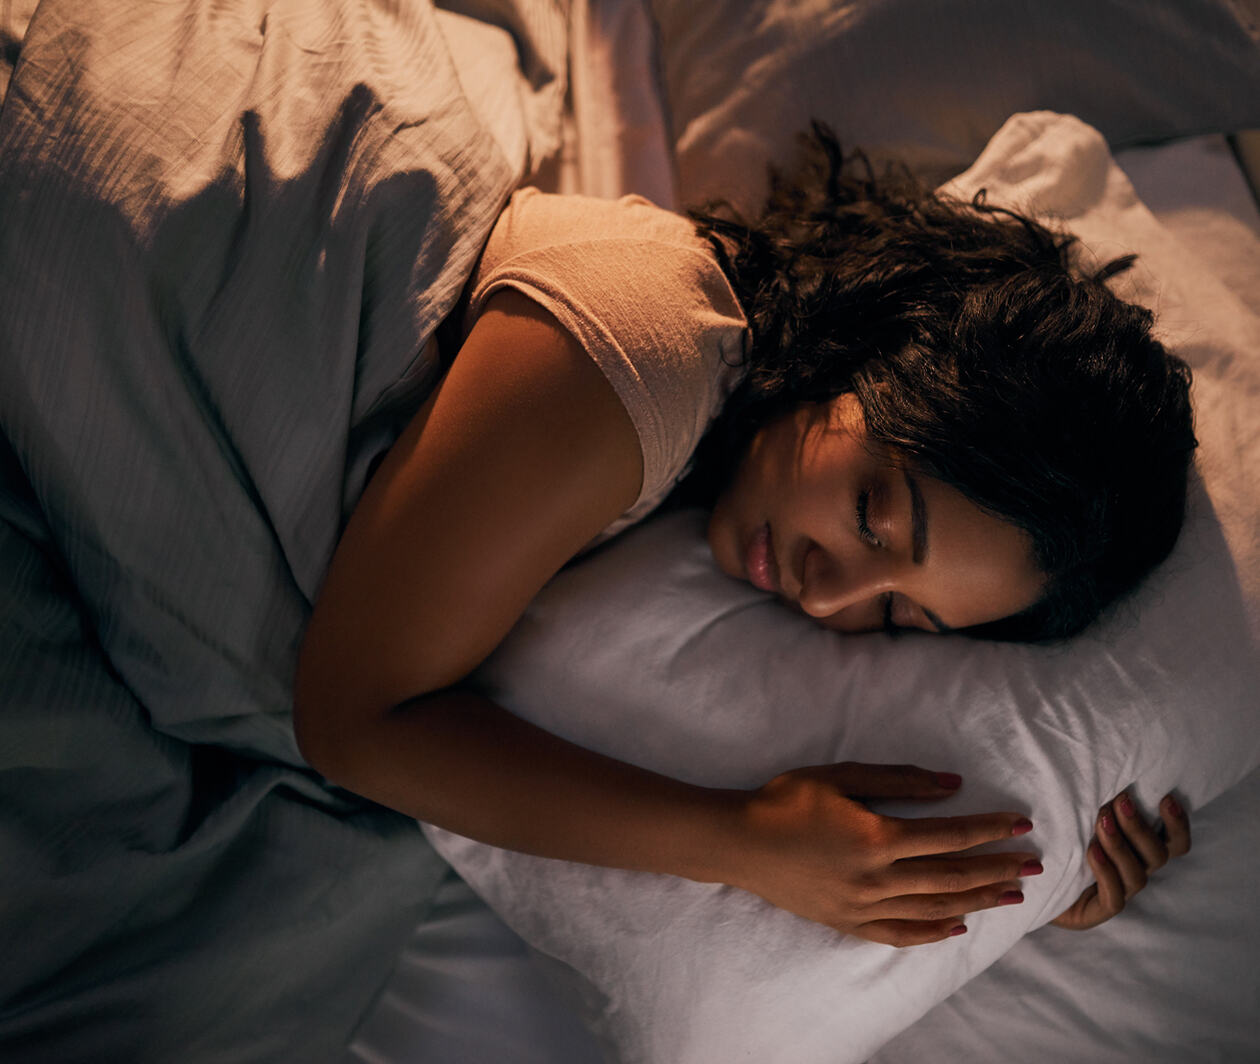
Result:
[904,413]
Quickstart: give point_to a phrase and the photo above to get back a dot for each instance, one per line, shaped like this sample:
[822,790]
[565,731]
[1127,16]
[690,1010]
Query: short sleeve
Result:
[646,299]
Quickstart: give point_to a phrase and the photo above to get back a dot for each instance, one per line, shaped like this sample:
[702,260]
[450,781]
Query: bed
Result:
[176,885]
[697,978]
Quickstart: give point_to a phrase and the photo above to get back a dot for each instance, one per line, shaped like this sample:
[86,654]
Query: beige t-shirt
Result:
[644,295]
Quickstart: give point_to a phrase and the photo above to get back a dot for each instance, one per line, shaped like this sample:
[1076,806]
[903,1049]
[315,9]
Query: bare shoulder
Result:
[519,458]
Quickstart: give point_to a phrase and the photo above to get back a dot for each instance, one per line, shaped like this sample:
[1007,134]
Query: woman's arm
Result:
[521,456]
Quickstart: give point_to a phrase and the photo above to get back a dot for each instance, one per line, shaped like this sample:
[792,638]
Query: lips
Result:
[760,562]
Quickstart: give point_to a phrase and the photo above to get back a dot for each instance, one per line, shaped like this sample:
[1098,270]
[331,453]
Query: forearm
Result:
[457,760]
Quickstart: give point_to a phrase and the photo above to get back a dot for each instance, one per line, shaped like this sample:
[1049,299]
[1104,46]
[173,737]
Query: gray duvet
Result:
[228,230]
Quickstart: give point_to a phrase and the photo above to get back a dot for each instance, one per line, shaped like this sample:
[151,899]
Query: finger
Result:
[937,907]
[910,932]
[1128,864]
[893,781]
[937,835]
[1148,846]
[1111,896]
[1077,917]
[951,875]
[1177,825]
[1098,902]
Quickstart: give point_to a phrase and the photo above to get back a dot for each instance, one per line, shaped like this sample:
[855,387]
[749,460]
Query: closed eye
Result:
[863,525]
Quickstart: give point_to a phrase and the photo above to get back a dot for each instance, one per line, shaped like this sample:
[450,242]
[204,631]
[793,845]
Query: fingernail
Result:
[1126,805]
[1022,826]
[1011,897]
[961,929]
[1097,851]
[951,781]
[1031,868]
[1174,806]
[1108,824]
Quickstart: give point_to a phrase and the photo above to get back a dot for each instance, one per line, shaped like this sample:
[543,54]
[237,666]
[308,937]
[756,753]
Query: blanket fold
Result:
[228,233]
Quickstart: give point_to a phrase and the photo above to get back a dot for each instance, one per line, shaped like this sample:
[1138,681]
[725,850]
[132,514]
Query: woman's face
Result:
[819,516]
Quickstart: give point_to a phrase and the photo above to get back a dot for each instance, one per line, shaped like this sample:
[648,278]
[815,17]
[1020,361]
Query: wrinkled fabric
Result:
[228,231]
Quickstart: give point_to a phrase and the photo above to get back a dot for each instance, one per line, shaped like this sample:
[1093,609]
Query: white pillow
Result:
[646,652]
[930,82]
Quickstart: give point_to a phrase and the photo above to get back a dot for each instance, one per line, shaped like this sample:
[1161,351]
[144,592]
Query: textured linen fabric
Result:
[647,653]
[228,230]
[646,299]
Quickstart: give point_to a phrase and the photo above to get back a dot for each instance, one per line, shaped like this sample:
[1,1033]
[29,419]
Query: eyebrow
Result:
[919,539]
[918,520]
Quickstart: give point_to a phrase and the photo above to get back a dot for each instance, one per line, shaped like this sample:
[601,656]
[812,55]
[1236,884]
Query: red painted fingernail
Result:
[961,929]
[1031,868]
[1126,805]
[1174,806]
[1011,897]
[951,781]
[1097,851]
[1022,826]
[1108,824]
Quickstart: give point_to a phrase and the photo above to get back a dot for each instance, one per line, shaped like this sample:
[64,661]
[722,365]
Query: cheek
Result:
[865,616]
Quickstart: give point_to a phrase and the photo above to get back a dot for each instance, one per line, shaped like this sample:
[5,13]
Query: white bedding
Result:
[676,668]
[1173,981]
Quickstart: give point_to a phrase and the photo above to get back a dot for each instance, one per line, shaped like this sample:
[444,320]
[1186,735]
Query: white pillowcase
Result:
[646,652]
[931,82]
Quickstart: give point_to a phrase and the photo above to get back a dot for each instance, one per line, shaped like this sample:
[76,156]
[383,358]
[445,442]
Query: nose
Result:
[831,582]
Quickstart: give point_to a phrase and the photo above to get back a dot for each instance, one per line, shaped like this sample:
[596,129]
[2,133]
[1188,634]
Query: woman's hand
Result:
[812,848]
[1123,853]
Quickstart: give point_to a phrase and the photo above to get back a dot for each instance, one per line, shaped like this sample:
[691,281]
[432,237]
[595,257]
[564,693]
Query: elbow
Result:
[325,719]
[338,705]
[315,738]
[324,726]
[335,727]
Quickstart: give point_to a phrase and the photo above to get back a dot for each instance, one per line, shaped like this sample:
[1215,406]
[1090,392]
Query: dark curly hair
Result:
[979,352]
